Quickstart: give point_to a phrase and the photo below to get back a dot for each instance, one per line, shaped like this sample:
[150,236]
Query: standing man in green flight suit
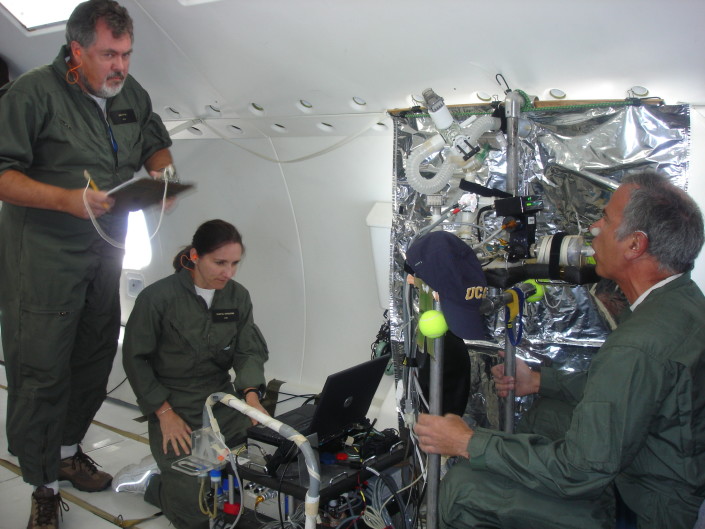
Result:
[636,420]
[59,290]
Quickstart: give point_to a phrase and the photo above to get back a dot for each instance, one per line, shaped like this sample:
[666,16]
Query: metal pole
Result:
[435,406]
[512,111]
[509,370]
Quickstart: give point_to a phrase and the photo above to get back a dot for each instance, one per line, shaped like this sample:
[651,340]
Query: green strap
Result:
[272,396]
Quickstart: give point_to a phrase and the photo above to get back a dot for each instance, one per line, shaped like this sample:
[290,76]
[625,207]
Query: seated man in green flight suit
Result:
[635,421]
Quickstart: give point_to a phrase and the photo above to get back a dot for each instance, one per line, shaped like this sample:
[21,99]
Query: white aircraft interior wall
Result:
[308,263]
[308,216]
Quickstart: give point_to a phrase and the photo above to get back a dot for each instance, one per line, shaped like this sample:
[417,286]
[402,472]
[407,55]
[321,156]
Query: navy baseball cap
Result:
[451,268]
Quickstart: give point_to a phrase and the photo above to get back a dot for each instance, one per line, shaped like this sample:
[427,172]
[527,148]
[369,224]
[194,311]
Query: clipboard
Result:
[140,193]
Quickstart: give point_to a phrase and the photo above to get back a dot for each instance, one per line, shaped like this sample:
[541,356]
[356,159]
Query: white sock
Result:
[68,451]
[53,486]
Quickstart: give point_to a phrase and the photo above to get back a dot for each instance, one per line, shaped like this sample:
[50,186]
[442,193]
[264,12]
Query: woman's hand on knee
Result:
[176,432]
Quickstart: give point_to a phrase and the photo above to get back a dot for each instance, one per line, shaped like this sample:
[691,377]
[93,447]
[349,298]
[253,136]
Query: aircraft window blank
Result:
[172,112]
[138,249]
[304,106]
[256,109]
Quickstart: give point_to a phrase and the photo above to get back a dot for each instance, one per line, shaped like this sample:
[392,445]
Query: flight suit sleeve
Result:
[155,134]
[140,344]
[562,385]
[607,429]
[19,117]
[251,352]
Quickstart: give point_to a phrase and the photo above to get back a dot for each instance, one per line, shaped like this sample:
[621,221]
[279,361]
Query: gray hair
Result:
[668,216]
[81,24]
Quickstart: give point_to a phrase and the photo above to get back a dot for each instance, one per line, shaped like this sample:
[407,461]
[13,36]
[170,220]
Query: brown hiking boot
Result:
[81,471]
[46,507]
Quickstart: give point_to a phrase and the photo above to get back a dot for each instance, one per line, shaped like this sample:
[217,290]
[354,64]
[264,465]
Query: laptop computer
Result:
[344,401]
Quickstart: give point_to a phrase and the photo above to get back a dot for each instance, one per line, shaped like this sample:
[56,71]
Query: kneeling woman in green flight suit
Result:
[185,333]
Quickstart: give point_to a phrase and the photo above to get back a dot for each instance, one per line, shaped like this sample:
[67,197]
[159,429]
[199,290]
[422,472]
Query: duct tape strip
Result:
[124,433]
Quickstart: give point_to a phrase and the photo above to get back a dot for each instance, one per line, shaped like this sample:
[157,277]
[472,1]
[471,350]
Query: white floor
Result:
[112,447]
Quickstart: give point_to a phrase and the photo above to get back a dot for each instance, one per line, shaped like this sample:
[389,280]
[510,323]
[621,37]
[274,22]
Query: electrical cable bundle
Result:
[295,521]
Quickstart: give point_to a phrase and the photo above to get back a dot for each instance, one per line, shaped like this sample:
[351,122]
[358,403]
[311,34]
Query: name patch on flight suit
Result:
[121,117]
[225,315]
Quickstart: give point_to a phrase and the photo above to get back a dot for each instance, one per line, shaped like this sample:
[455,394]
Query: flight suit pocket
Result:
[46,340]
[129,139]
[177,354]
[72,135]
[223,348]
[592,436]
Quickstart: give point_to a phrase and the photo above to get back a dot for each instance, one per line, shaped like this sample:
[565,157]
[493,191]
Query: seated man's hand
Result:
[526,381]
[448,435]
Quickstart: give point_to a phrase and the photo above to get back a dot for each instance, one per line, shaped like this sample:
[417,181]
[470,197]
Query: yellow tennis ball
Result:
[540,291]
[432,324]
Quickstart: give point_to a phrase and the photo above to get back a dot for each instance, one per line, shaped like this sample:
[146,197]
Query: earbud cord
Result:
[104,235]
[72,74]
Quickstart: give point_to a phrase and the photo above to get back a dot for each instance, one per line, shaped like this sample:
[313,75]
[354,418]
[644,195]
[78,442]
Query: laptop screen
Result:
[344,400]
[346,397]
